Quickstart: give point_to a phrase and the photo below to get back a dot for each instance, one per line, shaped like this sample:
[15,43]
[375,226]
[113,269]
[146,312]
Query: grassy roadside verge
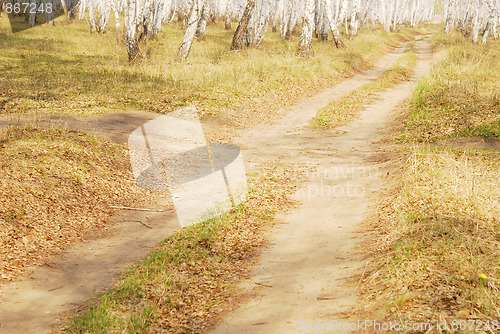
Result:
[65,69]
[345,109]
[461,98]
[438,223]
[184,284]
[56,187]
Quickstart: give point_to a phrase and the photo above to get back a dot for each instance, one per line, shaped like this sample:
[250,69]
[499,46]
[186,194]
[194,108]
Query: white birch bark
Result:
[131,23]
[202,22]
[305,43]
[81,9]
[158,17]
[343,14]
[475,28]
[117,19]
[492,14]
[449,16]
[354,18]
[337,39]
[192,24]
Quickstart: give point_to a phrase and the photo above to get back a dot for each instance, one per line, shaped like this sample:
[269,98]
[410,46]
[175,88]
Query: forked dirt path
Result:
[309,273]
[312,253]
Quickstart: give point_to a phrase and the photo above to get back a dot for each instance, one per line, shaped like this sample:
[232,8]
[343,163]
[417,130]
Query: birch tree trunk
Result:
[104,19]
[92,18]
[239,35]
[155,22]
[65,9]
[324,25]
[117,19]
[82,6]
[449,16]
[192,24]
[131,22]
[337,39]
[202,23]
[354,18]
[343,13]
[475,28]
[228,14]
[259,22]
[492,13]
[305,42]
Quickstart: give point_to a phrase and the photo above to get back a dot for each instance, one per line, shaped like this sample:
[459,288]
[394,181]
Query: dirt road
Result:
[300,277]
[307,277]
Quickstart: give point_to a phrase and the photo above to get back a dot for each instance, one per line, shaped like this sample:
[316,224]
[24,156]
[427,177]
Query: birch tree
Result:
[492,20]
[131,23]
[473,18]
[144,18]
[305,42]
[202,23]
[476,27]
[239,35]
[192,25]
[337,39]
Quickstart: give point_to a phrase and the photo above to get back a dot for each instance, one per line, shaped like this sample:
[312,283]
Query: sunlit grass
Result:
[185,284]
[65,69]
[438,222]
[462,96]
[441,224]
[347,108]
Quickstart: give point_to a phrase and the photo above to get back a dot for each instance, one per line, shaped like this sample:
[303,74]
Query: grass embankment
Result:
[461,98]
[439,223]
[56,186]
[65,69]
[347,108]
[186,283]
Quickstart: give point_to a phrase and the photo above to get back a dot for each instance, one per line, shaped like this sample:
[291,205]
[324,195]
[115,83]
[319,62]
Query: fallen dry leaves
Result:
[56,187]
[186,284]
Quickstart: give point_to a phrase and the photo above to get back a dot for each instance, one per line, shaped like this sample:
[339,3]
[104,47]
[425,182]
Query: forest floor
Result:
[313,253]
[373,193]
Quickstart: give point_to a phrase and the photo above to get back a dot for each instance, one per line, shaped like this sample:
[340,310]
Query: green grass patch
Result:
[184,284]
[461,97]
[347,108]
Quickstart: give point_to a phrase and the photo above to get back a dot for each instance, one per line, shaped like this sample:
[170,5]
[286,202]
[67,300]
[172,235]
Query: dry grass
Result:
[438,222]
[56,187]
[462,96]
[440,239]
[347,108]
[187,282]
[65,69]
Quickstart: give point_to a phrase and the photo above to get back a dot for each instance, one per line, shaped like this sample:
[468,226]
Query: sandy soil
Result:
[301,276]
